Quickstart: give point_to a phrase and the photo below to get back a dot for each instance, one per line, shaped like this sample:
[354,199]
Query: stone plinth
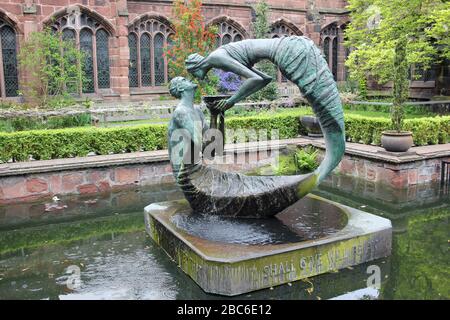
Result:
[232,269]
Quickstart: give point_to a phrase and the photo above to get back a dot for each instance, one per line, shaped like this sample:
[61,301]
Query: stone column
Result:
[120,53]
[312,22]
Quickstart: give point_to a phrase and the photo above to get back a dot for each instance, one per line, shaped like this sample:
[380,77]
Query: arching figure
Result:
[213,191]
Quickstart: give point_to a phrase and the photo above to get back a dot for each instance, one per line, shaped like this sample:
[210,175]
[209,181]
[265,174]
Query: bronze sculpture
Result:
[212,191]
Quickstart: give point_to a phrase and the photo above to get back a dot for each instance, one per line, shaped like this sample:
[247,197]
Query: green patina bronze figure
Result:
[213,191]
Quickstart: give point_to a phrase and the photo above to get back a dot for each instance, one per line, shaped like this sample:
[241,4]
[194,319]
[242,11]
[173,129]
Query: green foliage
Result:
[55,66]
[425,130]
[79,142]
[59,101]
[302,161]
[306,159]
[261,30]
[362,86]
[191,36]
[21,123]
[287,124]
[377,26]
[285,166]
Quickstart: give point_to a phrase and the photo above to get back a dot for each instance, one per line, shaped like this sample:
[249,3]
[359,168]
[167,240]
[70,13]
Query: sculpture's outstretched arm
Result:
[255,79]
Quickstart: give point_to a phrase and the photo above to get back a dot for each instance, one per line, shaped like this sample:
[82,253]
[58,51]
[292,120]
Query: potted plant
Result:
[398,140]
[312,125]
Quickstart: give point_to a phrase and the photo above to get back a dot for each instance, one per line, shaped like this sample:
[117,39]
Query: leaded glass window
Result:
[326,50]
[226,39]
[334,62]
[148,38]
[93,41]
[9,59]
[159,59]
[227,33]
[146,77]
[133,68]
[71,85]
[88,65]
[102,40]
[329,41]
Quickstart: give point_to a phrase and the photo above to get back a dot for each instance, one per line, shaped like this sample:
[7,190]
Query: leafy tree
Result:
[54,67]
[389,36]
[377,26]
[191,36]
[261,30]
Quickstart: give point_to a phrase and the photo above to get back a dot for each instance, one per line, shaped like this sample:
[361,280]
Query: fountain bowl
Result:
[232,257]
[212,100]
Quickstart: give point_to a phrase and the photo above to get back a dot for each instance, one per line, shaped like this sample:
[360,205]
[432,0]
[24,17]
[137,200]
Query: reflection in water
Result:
[118,260]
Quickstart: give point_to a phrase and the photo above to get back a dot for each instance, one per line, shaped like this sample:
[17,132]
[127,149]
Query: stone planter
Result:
[311,123]
[394,141]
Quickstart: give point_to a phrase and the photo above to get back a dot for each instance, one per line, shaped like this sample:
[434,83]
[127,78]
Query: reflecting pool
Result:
[96,248]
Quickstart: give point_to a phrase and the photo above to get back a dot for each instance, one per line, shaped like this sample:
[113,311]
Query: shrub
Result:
[55,67]
[302,161]
[288,123]
[79,142]
[21,123]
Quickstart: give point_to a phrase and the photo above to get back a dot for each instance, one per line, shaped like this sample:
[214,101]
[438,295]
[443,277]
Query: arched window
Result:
[102,40]
[329,44]
[158,45]
[133,68]
[9,83]
[148,37]
[227,33]
[92,39]
[280,29]
[88,65]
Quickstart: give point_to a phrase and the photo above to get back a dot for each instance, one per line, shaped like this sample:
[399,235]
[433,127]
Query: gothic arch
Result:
[283,26]
[11,20]
[235,29]
[148,36]
[149,16]
[91,34]
[330,43]
[105,23]
[9,75]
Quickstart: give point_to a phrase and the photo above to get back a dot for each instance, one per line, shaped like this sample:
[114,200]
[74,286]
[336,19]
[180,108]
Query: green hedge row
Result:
[429,130]
[22,123]
[79,142]
[287,123]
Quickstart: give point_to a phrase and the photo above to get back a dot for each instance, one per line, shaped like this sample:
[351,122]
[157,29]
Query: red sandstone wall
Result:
[29,15]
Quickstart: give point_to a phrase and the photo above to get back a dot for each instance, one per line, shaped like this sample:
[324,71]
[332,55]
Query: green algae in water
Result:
[29,238]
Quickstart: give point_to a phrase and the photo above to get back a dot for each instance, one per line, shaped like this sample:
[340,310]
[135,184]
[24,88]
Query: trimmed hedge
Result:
[79,142]
[287,123]
[433,130]
[23,122]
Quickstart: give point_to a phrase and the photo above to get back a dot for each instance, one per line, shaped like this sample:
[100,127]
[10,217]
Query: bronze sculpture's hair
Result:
[193,62]
[174,89]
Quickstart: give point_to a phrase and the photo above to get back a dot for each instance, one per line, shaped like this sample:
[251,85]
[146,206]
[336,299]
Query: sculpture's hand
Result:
[223,105]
